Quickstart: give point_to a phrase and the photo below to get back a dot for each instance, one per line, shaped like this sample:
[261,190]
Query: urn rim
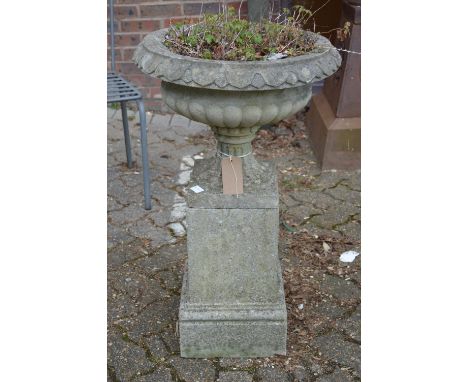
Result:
[157,60]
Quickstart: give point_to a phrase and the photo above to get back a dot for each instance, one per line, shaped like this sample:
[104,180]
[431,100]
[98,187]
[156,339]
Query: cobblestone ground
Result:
[320,218]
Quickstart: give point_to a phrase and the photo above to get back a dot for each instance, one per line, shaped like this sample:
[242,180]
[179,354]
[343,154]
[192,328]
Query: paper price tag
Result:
[233,181]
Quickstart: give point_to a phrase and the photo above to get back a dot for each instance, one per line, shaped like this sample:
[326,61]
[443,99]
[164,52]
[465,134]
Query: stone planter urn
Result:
[232,302]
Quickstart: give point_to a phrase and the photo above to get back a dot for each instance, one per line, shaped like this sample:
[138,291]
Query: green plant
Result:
[226,36]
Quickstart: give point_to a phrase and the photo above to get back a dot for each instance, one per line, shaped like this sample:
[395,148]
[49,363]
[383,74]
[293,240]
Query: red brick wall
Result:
[136,18]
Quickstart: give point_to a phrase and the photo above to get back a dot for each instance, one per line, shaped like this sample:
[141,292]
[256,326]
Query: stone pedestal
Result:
[232,302]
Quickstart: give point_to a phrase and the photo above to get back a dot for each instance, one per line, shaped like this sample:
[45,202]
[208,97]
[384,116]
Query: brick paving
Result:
[147,251]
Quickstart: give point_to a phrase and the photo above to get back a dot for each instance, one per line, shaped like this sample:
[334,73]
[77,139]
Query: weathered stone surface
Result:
[123,194]
[346,194]
[160,375]
[156,347]
[329,309]
[171,341]
[129,213]
[117,236]
[301,375]
[302,213]
[153,319]
[308,371]
[113,205]
[240,363]
[260,186]
[336,216]
[179,121]
[353,181]
[352,325]
[351,230]
[234,376]
[268,374]
[138,287]
[338,287]
[337,376]
[232,300]
[233,255]
[155,59]
[126,358]
[163,258]
[194,370]
[335,348]
[169,279]
[145,229]
[318,199]
[234,116]
[232,330]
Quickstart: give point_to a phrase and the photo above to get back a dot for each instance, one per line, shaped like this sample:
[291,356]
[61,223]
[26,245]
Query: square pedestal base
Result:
[232,301]
[231,330]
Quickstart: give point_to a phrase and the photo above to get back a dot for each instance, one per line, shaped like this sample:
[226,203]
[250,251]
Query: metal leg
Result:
[128,146]
[144,154]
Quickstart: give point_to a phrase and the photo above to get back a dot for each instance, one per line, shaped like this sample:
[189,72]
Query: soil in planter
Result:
[228,37]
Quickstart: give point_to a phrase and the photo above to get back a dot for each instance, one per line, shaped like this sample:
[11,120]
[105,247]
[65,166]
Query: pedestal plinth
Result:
[232,302]
[334,118]
[336,142]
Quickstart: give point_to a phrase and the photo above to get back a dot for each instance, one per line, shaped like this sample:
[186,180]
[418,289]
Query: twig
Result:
[320,8]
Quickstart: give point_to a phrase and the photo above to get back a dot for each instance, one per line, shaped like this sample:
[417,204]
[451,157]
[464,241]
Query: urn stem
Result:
[235,142]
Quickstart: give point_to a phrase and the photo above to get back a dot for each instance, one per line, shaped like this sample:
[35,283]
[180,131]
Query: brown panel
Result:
[336,142]
[343,88]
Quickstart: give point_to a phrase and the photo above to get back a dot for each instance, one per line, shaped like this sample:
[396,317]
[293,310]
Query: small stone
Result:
[177,229]
[179,211]
[183,178]
[188,161]
[185,167]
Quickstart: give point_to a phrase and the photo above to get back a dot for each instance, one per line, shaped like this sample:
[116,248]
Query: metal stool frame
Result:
[122,91]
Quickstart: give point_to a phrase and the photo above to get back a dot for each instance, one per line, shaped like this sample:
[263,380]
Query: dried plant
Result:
[225,36]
